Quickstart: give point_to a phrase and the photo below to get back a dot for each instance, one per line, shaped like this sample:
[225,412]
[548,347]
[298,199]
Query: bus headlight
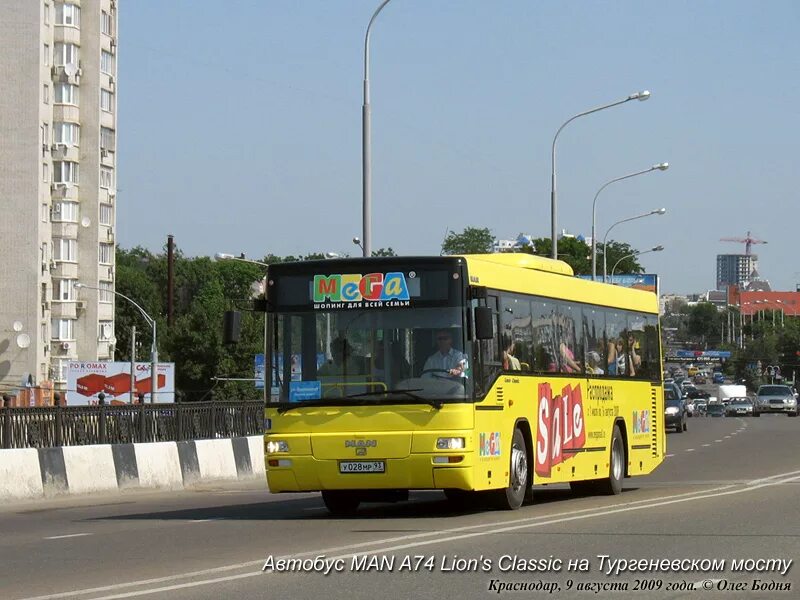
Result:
[450,443]
[279,446]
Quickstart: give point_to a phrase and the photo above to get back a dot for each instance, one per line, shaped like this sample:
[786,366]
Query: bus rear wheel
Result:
[612,485]
[341,503]
[512,497]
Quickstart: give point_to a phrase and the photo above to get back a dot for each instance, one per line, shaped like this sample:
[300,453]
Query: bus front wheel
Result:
[512,497]
[612,485]
[341,503]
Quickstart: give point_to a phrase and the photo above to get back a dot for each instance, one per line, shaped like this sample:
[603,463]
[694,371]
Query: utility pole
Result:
[133,364]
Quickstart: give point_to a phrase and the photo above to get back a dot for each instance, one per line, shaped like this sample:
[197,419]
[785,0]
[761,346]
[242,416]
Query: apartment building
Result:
[58,67]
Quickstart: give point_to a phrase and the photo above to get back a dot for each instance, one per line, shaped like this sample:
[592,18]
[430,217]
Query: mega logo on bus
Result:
[562,427]
[375,287]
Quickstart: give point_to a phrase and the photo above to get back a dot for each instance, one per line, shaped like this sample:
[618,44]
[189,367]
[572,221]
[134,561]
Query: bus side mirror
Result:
[231,327]
[484,329]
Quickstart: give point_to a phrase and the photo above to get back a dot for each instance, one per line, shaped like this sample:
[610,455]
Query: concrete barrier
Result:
[44,472]
[20,474]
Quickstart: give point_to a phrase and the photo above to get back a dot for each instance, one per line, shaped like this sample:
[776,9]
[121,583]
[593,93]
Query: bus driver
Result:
[446,358]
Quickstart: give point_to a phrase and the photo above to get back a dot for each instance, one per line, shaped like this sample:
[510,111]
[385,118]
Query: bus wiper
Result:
[437,404]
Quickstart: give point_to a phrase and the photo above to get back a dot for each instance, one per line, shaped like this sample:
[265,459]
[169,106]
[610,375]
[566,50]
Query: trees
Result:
[578,255]
[473,240]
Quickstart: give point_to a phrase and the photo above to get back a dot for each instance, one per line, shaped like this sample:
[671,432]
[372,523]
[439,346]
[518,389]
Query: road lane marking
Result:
[690,449]
[706,445]
[717,441]
[669,456]
[727,436]
[440,540]
[71,535]
[206,520]
[526,522]
[260,562]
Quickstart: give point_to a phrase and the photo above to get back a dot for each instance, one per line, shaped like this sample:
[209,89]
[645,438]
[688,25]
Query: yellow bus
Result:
[468,374]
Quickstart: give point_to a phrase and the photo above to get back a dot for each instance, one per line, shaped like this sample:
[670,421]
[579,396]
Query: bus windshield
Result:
[371,356]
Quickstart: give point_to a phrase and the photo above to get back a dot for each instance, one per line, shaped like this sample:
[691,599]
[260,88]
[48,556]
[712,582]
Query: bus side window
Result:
[651,364]
[515,328]
[543,343]
[594,336]
[568,338]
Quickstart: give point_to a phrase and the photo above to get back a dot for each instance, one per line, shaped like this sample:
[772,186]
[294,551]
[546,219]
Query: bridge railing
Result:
[48,426]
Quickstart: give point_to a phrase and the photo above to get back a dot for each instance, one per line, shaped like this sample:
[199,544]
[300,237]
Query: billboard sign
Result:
[86,380]
[643,281]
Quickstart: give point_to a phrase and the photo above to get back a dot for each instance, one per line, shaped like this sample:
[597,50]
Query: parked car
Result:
[674,409]
[740,407]
[776,398]
[717,377]
[715,410]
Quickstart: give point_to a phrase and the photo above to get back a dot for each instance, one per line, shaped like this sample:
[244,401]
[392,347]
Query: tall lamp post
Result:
[659,167]
[366,174]
[154,349]
[225,256]
[641,96]
[658,211]
[632,254]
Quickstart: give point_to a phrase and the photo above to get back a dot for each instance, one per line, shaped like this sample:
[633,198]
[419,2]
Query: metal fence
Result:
[46,426]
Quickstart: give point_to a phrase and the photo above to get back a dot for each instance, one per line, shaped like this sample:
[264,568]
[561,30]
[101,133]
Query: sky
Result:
[240,125]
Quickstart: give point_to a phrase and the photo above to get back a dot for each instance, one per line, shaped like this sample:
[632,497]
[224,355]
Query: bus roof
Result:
[528,274]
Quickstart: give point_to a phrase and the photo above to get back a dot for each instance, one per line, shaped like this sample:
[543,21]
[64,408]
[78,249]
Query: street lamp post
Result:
[641,96]
[366,174]
[632,254]
[658,211]
[154,350]
[659,167]
[267,367]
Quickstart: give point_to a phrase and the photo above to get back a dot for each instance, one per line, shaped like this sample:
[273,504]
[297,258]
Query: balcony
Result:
[70,73]
[65,152]
[64,191]
[64,309]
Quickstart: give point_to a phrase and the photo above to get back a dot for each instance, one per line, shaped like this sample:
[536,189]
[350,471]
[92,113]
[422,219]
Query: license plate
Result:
[362,466]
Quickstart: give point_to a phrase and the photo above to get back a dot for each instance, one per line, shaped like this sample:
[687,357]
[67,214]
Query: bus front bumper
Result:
[414,472]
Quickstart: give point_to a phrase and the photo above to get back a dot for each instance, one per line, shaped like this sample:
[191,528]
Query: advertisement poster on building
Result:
[86,380]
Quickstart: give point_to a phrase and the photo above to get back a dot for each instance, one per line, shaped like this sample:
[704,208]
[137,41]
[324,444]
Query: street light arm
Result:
[224,256]
[366,50]
[605,237]
[643,95]
[637,253]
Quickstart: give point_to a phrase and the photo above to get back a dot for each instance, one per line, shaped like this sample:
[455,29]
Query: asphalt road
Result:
[729,490]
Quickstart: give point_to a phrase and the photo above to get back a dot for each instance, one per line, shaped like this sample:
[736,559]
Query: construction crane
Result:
[747,241]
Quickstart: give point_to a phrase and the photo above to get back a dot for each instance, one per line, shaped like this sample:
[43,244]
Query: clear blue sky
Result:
[240,125]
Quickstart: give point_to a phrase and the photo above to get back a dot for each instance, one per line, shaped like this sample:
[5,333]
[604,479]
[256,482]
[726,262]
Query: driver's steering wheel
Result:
[436,371]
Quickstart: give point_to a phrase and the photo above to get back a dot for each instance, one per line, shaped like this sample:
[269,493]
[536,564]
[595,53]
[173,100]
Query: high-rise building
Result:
[735,269]
[58,123]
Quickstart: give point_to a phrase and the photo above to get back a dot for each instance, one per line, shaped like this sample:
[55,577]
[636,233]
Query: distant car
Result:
[718,377]
[776,398]
[715,410]
[674,410]
[700,406]
[698,395]
[740,407]
[692,371]
[700,379]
